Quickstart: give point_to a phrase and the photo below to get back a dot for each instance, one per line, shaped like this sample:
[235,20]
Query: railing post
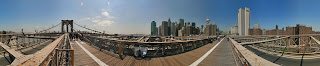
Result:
[24,42]
[57,58]
[72,57]
[120,49]
[288,40]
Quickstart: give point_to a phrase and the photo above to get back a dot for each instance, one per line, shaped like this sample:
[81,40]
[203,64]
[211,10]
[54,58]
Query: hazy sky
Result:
[135,16]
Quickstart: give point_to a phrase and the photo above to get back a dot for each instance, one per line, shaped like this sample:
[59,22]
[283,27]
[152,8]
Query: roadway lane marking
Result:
[92,56]
[205,55]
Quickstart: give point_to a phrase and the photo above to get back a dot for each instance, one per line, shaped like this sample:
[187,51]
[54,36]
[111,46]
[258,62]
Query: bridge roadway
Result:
[222,55]
[283,61]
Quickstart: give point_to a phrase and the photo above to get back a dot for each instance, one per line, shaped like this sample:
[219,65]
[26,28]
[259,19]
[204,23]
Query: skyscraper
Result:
[243,21]
[164,28]
[193,24]
[181,23]
[153,28]
[169,26]
[173,28]
[160,31]
[201,29]
[214,28]
[193,28]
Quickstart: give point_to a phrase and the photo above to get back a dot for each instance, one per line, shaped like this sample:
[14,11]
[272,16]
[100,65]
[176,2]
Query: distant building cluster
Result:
[256,30]
[168,28]
[297,30]
[6,32]
[242,27]
[211,29]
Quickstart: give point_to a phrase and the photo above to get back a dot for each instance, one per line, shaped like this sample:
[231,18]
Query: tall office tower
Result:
[256,26]
[156,31]
[193,28]
[177,29]
[160,31]
[214,28]
[173,28]
[169,26]
[164,28]
[193,24]
[201,29]
[169,22]
[243,21]
[181,23]
[153,28]
[247,20]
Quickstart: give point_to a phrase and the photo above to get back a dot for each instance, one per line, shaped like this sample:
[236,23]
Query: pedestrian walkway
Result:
[221,56]
[184,59]
[81,57]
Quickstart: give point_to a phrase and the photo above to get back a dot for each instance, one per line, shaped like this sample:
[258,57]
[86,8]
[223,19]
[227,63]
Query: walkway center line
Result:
[205,55]
[92,56]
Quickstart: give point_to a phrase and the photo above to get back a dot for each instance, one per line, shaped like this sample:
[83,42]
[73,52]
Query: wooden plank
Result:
[38,57]
[81,58]
[263,41]
[315,40]
[11,51]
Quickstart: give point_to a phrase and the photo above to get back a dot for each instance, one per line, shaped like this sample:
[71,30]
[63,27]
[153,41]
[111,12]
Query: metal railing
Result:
[63,55]
[244,57]
[119,48]
[239,59]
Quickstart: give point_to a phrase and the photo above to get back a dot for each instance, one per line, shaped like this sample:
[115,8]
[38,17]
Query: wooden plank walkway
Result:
[81,58]
[221,56]
[183,59]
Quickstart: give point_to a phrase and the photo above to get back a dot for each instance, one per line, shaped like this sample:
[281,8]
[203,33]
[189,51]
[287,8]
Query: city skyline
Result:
[116,16]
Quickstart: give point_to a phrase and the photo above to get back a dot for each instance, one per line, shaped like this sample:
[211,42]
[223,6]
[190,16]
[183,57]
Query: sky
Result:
[135,16]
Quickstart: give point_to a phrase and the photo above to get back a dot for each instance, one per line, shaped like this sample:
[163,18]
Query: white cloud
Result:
[106,14]
[98,17]
[37,26]
[101,20]
[104,23]
[96,21]
[84,19]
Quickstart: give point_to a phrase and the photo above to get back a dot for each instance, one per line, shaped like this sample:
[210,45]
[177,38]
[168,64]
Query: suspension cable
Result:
[50,28]
[88,28]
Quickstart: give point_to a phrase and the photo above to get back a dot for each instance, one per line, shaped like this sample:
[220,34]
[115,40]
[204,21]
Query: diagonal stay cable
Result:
[88,28]
[50,28]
